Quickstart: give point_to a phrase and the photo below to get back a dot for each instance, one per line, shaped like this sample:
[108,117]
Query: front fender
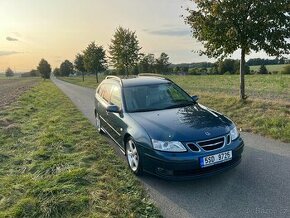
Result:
[138,133]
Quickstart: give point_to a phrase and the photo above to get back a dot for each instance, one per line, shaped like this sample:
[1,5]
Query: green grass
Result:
[267,110]
[270,68]
[54,164]
[90,81]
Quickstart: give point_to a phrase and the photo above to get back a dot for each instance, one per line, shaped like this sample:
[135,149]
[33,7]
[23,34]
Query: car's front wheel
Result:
[133,157]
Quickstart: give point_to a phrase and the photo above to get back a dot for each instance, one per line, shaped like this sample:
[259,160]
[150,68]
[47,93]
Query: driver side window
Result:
[116,96]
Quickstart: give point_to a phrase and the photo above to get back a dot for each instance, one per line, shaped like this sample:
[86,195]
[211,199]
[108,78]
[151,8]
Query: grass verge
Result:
[266,112]
[54,164]
[263,117]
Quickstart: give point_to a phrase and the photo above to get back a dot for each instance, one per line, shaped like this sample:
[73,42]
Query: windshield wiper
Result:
[145,110]
[185,104]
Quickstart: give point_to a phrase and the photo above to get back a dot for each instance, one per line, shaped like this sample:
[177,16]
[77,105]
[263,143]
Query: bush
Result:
[263,70]
[286,70]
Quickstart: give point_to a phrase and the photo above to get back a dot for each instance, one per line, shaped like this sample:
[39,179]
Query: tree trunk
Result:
[242,75]
[97,78]
[83,76]
[126,71]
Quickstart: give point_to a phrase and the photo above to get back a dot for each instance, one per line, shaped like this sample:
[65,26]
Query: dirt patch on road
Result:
[11,89]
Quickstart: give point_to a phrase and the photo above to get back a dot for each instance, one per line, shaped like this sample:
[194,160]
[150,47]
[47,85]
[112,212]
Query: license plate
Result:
[215,159]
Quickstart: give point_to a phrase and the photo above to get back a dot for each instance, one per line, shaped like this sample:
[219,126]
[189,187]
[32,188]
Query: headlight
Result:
[234,133]
[170,146]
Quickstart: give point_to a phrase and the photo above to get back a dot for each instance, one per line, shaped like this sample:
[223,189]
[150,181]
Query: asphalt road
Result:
[258,187]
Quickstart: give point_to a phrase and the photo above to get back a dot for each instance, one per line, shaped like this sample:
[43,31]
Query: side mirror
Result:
[195,98]
[113,109]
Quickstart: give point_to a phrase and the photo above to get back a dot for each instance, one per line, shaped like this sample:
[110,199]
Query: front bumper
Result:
[186,165]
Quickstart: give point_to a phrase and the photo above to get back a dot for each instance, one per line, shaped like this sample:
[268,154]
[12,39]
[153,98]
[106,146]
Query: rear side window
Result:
[116,96]
[105,92]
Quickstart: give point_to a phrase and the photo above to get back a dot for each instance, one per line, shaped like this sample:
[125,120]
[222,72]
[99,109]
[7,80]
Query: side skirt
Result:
[120,147]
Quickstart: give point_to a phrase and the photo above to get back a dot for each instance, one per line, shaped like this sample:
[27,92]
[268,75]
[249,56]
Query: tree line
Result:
[222,26]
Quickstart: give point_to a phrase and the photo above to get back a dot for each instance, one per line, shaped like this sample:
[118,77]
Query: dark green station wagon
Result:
[164,131]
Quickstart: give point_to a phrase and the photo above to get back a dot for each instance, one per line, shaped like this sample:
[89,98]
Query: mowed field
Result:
[54,164]
[266,111]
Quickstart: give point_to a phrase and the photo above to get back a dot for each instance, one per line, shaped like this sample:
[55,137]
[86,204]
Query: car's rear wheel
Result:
[98,123]
[133,157]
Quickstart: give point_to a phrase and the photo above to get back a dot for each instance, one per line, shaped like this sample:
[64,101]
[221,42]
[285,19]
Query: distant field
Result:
[11,88]
[266,111]
[270,68]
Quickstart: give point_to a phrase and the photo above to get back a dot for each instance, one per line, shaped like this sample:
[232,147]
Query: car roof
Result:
[140,81]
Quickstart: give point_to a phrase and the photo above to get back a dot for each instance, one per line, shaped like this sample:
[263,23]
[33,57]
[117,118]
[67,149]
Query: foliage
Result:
[95,59]
[124,49]
[263,70]
[225,26]
[261,61]
[286,70]
[147,64]
[80,65]
[44,69]
[32,73]
[162,63]
[231,66]
[9,72]
[56,72]
[66,68]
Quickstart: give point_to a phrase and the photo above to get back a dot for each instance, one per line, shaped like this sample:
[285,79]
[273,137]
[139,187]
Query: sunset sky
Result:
[58,29]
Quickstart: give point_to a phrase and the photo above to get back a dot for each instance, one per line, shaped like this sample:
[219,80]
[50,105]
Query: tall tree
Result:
[95,59]
[56,72]
[162,63]
[44,69]
[79,64]
[225,26]
[9,72]
[124,49]
[66,68]
[146,64]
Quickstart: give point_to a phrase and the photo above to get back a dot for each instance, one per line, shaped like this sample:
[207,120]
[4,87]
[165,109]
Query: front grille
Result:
[212,144]
[193,147]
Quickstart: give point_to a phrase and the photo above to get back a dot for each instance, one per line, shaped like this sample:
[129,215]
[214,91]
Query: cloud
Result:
[8,38]
[169,32]
[16,34]
[5,53]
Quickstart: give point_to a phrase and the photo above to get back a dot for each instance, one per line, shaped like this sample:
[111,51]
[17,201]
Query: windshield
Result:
[155,97]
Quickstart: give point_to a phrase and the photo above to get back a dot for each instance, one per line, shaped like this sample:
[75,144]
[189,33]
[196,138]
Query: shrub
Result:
[286,70]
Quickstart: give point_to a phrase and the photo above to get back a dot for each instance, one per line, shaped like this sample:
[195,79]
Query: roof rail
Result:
[116,78]
[155,75]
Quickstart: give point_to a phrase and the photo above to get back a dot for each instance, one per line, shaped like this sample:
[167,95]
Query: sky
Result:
[59,29]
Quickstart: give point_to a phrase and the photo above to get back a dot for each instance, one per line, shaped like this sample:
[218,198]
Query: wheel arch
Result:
[125,139]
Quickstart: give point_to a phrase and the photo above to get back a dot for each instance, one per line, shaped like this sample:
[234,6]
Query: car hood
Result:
[191,123]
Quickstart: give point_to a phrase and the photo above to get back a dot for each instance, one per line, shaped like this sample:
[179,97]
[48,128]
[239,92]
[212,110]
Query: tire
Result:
[98,124]
[133,157]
